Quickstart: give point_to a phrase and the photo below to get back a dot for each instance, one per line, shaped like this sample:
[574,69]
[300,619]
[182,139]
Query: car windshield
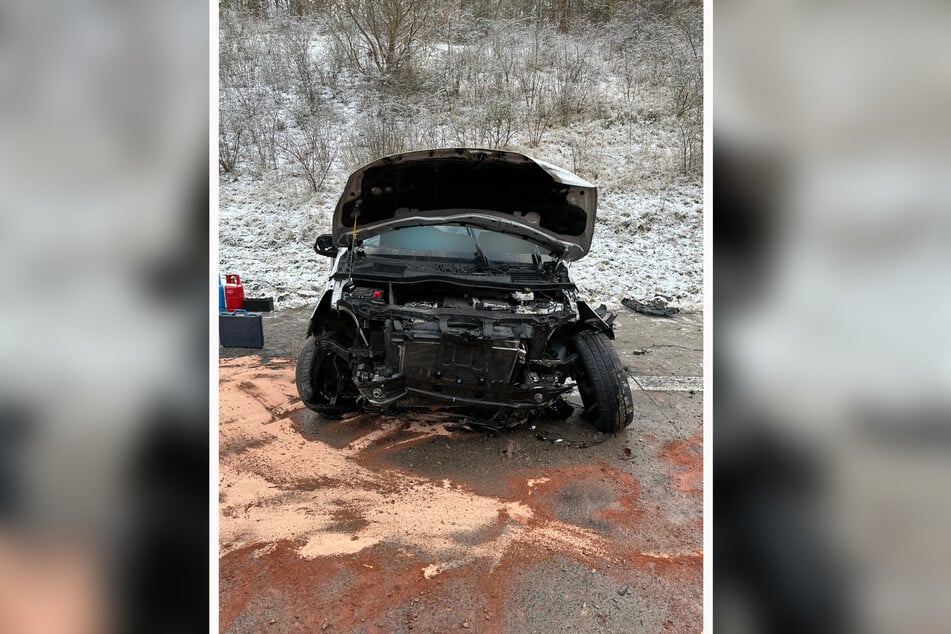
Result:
[455,241]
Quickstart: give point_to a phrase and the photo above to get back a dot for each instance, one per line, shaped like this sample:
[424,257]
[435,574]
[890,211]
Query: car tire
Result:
[602,382]
[322,387]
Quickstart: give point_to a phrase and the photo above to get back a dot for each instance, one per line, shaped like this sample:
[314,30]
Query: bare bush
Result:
[265,133]
[504,73]
[381,37]
[498,123]
[505,40]
[573,81]
[690,140]
[628,75]
[687,89]
[536,116]
[501,85]
[311,151]
[383,130]
[295,40]
[578,148]
[253,83]
[373,138]
[536,91]
[687,64]
[391,129]
[230,141]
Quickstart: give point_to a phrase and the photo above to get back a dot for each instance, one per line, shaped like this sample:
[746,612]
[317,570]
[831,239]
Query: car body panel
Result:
[501,191]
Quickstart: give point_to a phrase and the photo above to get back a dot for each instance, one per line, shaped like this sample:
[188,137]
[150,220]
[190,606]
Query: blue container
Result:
[221,296]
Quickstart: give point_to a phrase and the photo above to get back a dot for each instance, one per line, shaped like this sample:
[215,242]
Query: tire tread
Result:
[608,381]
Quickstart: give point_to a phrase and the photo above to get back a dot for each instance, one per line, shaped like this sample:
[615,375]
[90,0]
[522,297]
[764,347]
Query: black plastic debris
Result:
[258,304]
[556,439]
[561,409]
[602,312]
[492,425]
[657,306]
[471,424]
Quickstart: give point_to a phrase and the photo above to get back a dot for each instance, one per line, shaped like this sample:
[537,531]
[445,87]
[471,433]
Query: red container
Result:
[234,292]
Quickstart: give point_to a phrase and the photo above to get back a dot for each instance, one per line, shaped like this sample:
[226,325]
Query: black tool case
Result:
[240,329]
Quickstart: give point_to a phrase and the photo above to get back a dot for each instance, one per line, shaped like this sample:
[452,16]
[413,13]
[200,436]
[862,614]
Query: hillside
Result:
[615,98]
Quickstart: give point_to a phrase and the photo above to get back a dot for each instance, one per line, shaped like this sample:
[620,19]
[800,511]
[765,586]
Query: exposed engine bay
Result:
[483,346]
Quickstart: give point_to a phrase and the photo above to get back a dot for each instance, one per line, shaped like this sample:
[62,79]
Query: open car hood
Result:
[501,191]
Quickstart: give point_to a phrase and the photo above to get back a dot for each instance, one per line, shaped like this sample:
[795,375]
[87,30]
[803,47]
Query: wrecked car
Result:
[450,287]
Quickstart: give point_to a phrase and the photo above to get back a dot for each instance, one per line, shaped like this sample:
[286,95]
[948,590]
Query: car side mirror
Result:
[325,246]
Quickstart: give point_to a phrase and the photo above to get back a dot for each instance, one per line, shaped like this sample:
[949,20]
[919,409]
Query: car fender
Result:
[321,315]
[587,316]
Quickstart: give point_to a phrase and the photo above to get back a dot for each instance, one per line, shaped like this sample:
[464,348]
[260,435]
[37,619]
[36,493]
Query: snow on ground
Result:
[648,238]
[266,233]
[645,242]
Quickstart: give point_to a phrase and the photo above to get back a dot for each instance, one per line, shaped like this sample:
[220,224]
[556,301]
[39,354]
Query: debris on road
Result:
[657,306]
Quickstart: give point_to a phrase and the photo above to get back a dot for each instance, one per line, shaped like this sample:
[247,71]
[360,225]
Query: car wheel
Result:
[602,382]
[323,380]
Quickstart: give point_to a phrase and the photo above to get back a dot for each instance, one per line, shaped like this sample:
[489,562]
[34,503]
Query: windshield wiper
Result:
[536,258]
[482,262]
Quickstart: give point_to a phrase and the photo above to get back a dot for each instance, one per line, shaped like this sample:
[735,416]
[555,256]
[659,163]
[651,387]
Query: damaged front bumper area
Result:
[461,358]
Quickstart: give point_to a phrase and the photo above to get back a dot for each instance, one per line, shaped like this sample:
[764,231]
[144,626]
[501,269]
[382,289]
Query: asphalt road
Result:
[391,523]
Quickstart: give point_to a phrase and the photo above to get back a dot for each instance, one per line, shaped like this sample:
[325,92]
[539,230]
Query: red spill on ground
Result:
[575,493]
[429,555]
[379,589]
[688,455]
